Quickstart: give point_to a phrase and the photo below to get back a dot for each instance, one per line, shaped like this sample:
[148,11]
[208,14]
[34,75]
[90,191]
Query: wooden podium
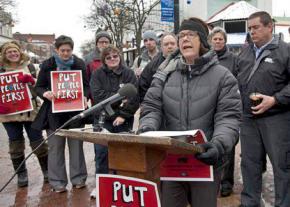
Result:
[134,155]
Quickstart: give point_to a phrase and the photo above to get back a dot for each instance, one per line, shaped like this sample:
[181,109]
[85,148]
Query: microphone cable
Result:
[44,140]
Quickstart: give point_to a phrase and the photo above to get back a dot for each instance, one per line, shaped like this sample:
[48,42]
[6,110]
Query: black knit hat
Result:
[190,24]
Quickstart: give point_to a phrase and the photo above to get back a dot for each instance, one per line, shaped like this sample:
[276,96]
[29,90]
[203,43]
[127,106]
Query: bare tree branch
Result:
[120,16]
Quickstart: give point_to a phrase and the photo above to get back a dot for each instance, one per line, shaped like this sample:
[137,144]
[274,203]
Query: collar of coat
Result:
[201,65]
[109,71]
[272,45]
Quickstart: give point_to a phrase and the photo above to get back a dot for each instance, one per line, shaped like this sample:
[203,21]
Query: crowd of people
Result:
[185,81]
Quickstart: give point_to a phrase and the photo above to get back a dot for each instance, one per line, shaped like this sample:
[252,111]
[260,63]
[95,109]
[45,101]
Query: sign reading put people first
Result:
[14,95]
[67,86]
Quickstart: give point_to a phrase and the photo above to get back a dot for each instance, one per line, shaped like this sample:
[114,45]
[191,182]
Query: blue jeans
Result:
[101,151]
[15,131]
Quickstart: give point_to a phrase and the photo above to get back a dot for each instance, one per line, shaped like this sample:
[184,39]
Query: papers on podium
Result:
[183,167]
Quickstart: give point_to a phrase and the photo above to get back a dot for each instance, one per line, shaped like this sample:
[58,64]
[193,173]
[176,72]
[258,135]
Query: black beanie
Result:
[195,26]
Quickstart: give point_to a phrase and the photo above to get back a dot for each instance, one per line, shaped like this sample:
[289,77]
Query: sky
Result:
[59,17]
[65,17]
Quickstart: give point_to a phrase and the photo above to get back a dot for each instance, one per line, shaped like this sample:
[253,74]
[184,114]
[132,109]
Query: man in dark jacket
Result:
[218,40]
[194,92]
[263,75]
[168,45]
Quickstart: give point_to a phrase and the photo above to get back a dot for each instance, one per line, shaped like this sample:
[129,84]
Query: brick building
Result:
[39,46]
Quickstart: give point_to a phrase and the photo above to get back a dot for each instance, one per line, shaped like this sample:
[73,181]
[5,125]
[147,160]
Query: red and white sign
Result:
[121,191]
[15,96]
[178,167]
[67,87]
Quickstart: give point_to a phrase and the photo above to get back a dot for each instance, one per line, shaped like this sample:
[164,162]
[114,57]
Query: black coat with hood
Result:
[45,118]
[202,96]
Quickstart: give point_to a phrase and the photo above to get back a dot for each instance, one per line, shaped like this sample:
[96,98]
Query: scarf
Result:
[221,52]
[63,64]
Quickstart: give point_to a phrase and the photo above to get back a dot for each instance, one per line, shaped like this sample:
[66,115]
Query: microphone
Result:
[127,91]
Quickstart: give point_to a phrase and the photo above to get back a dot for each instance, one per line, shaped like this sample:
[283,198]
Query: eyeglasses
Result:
[103,42]
[112,57]
[188,34]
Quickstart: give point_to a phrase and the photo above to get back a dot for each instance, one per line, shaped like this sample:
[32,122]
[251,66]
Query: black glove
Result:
[211,153]
[144,129]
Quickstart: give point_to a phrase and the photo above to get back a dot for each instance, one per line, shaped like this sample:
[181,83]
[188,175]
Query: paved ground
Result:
[39,194]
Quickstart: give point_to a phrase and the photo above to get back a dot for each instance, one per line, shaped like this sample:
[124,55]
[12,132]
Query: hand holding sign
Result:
[26,78]
[48,95]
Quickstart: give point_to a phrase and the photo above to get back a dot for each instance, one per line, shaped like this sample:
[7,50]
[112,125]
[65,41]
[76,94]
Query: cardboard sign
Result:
[121,191]
[178,167]
[68,89]
[15,96]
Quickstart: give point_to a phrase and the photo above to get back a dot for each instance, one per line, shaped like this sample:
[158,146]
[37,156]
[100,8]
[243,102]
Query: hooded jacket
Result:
[202,96]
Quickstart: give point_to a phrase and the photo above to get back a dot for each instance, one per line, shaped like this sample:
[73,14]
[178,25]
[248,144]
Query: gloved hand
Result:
[211,153]
[144,129]
[26,78]
[3,108]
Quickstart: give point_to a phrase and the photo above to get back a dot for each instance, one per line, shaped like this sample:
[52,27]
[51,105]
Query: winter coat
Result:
[269,74]
[202,96]
[147,74]
[93,62]
[144,60]
[228,60]
[26,116]
[106,83]
[45,118]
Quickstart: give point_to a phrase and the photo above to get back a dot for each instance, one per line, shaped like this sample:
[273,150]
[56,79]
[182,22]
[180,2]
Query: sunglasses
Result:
[112,57]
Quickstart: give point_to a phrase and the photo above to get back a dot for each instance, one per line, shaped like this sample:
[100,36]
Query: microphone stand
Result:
[100,125]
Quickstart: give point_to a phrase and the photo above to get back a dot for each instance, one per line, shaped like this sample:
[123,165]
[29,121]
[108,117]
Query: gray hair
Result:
[167,34]
[217,30]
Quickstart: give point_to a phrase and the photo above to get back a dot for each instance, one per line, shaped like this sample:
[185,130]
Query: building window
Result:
[235,27]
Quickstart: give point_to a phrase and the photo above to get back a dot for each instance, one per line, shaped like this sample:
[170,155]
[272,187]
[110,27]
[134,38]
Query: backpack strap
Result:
[32,70]
[139,61]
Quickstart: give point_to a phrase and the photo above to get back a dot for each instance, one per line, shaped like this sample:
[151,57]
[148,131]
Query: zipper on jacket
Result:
[187,97]
[189,69]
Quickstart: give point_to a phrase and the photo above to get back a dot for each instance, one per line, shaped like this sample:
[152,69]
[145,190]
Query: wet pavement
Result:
[39,194]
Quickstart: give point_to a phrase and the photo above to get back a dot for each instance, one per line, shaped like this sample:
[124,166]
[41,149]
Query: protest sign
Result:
[67,87]
[119,191]
[15,96]
[179,167]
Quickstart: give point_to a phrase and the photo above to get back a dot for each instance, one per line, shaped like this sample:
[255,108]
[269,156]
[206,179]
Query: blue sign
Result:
[167,10]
